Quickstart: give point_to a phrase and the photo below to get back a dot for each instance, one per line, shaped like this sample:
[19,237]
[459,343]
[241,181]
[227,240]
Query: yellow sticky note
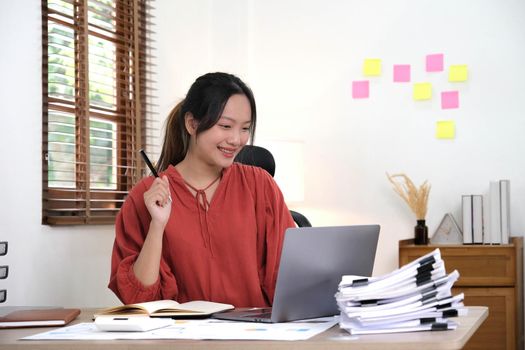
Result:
[422,91]
[372,67]
[458,73]
[445,129]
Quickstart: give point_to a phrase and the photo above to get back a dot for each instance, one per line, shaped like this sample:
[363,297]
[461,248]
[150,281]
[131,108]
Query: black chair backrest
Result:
[261,157]
[258,156]
[300,219]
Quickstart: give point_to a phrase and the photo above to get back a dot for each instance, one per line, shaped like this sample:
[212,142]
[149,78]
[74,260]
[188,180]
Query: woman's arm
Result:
[157,200]
[273,218]
[137,233]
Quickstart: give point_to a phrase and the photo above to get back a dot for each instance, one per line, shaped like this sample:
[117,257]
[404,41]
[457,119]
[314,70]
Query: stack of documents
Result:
[415,297]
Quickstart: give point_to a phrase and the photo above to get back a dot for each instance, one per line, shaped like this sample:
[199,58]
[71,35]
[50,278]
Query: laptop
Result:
[313,261]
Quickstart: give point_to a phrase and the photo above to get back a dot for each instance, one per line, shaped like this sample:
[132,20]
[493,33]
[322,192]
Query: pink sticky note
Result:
[360,89]
[449,99]
[401,73]
[435,62]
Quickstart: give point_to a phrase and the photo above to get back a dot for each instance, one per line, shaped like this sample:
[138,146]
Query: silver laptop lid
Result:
[312,263]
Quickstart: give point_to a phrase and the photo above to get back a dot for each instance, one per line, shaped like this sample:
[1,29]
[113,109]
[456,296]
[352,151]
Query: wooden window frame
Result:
[80,204]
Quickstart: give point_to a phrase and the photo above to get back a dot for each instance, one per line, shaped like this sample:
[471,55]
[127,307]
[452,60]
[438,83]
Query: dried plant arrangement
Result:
[416,198]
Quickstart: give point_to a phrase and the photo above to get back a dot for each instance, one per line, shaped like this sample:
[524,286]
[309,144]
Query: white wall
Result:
[299,57]
[66,266]
[305,64]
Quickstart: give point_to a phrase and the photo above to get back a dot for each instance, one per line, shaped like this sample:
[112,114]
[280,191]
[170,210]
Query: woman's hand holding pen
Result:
[158,201]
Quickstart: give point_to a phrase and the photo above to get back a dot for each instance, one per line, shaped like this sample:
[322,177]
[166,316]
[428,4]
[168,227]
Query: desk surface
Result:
[334,338]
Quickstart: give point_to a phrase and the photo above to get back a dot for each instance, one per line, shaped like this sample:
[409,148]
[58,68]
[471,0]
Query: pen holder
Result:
[421,233]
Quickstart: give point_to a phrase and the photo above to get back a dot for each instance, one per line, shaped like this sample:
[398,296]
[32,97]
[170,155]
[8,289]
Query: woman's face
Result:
[219,145]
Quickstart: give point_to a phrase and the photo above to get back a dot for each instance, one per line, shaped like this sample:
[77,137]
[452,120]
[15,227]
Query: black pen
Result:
[151,167]
[148,163]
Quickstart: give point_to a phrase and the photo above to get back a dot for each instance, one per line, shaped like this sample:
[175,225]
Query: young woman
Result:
[207,228]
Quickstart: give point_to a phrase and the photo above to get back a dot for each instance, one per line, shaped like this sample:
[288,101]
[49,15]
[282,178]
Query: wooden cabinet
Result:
[490,275]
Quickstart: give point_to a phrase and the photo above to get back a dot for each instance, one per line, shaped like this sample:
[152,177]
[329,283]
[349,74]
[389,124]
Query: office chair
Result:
[261,157]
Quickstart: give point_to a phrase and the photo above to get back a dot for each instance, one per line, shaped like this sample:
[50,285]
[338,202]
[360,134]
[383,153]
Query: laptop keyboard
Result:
[262,315]
[247,315]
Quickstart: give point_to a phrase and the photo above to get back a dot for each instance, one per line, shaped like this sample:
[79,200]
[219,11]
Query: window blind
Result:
[96,110]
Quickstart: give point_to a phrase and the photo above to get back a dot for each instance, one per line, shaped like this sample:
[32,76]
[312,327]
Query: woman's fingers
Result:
[167,186]
[158,193]
[157,200]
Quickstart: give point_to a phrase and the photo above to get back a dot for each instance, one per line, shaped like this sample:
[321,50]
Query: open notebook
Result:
[313,261]
[166,308]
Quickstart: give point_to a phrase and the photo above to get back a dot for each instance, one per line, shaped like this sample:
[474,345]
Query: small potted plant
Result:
[417,199]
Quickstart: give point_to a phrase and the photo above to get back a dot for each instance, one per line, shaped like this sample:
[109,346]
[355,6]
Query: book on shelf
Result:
[504,187]
[486,218]
[498,218]
[415,297]
[494,213]
[477,219]
[466,207]
[472,209]
[167,308]
[487,235]
[18,317]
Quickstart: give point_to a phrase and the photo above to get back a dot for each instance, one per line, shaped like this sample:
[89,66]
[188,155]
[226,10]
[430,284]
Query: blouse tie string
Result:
[202,207]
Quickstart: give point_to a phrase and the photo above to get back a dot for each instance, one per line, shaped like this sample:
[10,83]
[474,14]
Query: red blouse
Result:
[228,254]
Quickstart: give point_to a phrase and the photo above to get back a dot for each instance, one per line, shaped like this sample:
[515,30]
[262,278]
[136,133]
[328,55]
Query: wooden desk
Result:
[334,338]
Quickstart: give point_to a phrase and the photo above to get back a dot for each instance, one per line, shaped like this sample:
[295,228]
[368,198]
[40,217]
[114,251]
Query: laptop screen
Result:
[313,261]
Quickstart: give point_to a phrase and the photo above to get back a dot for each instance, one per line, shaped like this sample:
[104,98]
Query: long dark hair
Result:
[205,100]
